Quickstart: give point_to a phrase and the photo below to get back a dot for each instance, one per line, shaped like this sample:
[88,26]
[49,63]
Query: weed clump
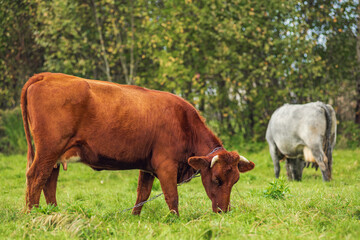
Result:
[278,189]
[48,209]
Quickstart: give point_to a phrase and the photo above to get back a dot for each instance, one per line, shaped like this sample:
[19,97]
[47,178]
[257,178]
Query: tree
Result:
[236,61]
[20,56]
[95,39]
[357,109]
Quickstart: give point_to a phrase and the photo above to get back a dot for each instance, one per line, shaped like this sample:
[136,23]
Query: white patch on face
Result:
[242,158]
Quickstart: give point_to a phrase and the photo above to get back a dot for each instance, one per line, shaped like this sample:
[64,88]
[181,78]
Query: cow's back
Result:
[294,126]
[137,119]
[116,121]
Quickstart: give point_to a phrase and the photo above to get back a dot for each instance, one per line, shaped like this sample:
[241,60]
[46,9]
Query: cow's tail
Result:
[30,153]
[327,142]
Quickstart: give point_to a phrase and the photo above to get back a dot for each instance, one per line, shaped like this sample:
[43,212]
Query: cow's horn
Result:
[213,160]
[242,158]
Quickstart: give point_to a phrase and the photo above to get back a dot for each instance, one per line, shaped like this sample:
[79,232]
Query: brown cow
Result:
[115,127]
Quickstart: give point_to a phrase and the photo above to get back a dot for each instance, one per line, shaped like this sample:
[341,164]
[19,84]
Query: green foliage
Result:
[47,209]
[314,210]
[79,209]
[278,189]
[235,61]
[20,56]
[239,143]
[350,137]
[12,136]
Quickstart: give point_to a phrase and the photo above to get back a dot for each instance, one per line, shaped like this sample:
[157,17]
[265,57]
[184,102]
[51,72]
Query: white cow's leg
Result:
[290,169]
[322,161]
[275,158]
[294,168]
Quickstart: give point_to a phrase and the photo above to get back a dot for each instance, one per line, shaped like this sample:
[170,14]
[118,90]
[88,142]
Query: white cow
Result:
[298,132]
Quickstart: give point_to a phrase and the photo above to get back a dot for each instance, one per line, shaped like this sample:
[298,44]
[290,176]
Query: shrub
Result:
[277,189]
[349,135]
[238,142]
[47,209]
[12,136]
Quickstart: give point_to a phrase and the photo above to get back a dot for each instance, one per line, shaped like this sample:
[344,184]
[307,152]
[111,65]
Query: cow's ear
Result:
[198,162]
[245,165]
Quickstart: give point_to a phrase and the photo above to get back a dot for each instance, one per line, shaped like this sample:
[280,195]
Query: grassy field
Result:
[90,205]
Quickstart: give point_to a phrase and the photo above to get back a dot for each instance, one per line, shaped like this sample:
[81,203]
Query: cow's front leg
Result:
[50,186]
[167,175]
[294,168]
[145,184]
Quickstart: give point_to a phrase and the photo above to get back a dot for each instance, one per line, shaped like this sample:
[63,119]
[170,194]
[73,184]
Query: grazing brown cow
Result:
[114,127]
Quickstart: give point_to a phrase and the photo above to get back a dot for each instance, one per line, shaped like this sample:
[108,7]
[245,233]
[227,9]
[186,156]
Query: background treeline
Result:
[236,61]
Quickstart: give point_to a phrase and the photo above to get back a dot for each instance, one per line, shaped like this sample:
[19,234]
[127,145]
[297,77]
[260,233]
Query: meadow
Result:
[91,204]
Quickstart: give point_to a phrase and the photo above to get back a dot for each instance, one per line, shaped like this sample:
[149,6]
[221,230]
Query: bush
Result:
[349,135]
[47,209]
[12,136]
[241,144]
[277,189]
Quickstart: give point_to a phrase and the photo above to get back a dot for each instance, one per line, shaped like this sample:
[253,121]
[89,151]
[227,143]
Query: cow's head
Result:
[219,172]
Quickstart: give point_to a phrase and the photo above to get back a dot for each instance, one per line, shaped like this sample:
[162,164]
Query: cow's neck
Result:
[206,142]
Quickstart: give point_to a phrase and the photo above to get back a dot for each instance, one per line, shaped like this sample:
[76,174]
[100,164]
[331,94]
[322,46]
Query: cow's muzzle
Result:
[220,208]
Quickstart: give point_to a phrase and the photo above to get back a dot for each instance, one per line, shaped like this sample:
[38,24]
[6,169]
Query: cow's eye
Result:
[218,181]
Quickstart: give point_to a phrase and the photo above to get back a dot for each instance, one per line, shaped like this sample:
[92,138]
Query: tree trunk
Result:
[225,119]
[357,110]
[131,76]
[102,44]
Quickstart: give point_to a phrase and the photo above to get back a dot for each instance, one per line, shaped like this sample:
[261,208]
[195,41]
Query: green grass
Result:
[90,205]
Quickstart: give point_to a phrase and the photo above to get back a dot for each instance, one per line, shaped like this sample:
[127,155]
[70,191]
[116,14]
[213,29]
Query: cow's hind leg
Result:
[321,160]
[37,176]
[274,152]
[145,183]
[50,186]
